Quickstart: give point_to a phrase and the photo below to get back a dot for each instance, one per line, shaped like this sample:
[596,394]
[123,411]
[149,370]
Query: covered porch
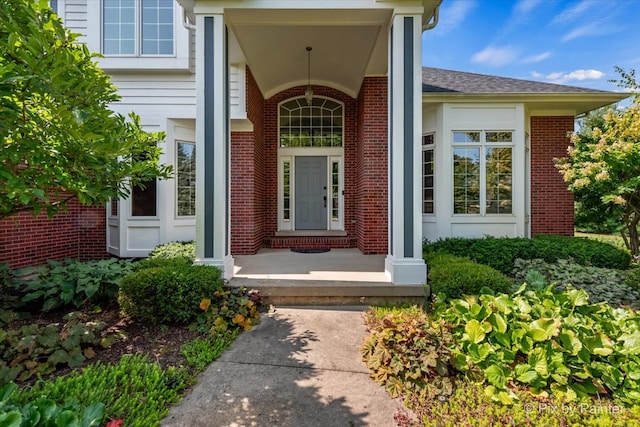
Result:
[317,147]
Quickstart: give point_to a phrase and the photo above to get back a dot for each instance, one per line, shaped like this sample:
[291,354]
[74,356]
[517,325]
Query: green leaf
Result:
[570,342]
[11,419]
[67,418]
[474,331]
[538,360]
[496,376]
[631,343]
[550,328]
[480,352]
[578,297]
[498,323]
[93,415]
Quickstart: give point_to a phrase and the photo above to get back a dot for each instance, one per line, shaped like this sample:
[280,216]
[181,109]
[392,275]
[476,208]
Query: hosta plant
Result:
[43,412]
[546,341]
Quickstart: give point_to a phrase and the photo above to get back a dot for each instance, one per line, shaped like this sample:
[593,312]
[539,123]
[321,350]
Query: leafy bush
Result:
[230,309]
[169,295]
[409,355]
[135,390]
[43,412]
[70,283]
[455,276]
[35,349]
[546,341]
[175,250]
[202,351]
[602,284]
[501,253]
[162,262]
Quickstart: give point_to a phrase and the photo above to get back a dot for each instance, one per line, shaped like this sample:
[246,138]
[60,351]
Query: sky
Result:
[572,42]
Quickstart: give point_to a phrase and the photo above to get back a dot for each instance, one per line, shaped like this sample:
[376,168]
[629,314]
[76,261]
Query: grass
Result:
[613,239]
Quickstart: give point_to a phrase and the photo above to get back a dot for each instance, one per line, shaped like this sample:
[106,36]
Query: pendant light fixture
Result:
[308,93]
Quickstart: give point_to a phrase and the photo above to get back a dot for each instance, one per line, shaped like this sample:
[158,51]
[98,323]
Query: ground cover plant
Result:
[602,284]
[538,358]
[98,369]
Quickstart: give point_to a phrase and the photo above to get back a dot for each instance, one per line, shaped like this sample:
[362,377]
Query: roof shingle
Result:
[437,80]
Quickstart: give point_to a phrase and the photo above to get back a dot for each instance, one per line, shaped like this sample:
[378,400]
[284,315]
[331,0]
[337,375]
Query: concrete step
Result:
[281,292]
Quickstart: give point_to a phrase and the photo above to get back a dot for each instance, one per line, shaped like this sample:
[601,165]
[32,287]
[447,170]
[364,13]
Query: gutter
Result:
[431,24]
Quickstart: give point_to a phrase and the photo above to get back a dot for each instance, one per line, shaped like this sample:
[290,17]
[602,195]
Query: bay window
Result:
[482,172]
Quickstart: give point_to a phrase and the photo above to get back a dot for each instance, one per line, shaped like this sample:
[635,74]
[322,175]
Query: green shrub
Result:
[602,284]
[135,390]
[501,253]
[455,276]
[162,262]
[43,412]
[36,349]
[175,250]
[168,295]
[546,341]
[70,283]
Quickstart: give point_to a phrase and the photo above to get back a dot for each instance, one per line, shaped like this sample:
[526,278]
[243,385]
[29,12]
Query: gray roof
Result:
[437,80]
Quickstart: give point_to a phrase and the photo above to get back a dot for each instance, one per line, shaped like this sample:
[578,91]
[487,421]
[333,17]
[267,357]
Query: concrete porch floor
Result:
[340,277]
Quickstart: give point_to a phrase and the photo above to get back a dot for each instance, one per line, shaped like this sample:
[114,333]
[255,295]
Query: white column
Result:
[212,145]
[404,264]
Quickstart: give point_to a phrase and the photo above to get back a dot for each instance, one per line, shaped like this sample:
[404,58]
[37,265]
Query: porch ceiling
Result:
[347,45]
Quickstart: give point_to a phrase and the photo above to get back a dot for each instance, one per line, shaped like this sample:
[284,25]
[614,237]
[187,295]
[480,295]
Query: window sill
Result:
[137,63]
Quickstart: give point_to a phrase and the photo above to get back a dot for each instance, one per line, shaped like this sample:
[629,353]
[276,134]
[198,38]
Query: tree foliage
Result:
[59,139]
[603,166]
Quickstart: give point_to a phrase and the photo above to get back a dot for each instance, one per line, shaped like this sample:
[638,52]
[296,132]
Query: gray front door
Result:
[311,193]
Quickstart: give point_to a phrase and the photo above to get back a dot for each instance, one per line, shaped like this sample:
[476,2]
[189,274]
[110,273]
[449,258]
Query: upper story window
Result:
[315,125]
[137,27]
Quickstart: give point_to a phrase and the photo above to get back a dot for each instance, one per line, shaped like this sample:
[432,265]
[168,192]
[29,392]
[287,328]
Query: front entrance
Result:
[311,192]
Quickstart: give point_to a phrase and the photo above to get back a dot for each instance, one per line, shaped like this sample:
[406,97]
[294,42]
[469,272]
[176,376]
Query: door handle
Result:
[325,201]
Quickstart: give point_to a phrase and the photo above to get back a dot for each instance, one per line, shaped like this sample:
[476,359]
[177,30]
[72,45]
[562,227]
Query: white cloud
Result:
[585,30]
[573,12]
[453,13]
[585,75]
[562,77]
[536,58]
[495,56]
[525,6]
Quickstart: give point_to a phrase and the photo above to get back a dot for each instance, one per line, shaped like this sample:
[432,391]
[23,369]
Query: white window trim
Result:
[431,147]
[482,145]
[179,61]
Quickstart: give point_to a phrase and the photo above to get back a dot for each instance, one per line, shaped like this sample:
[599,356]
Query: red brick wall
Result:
[247,177]
[271,156]
[80,233]
[371,168]
[551,202]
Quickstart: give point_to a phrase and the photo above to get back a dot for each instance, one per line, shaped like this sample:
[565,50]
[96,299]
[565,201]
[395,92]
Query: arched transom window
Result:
[317,125]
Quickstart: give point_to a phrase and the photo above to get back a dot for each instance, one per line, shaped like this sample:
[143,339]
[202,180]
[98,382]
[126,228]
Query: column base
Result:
[405,271]
[226,265]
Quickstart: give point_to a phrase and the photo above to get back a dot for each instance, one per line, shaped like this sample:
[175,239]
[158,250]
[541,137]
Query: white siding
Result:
[74,15]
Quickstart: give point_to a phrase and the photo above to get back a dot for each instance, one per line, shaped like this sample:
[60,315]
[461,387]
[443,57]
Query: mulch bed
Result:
[162,343]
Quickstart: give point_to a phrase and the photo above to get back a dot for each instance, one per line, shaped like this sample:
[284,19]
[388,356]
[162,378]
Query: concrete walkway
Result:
[300,367]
